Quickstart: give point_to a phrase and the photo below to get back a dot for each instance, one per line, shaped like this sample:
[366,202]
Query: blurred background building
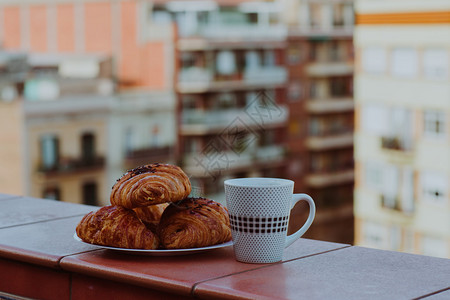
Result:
[223,88]
[93,97]
[320,96]
[234,88]
[402,132]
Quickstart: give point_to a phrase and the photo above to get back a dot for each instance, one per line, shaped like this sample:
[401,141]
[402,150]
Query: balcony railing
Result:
[265,75]
[219,163]
[233,32]
[319,69]
[330,142]
[202,122]
[70,165]
[395,143]
[321,180]
[395,203]
[330,105]
[147,155]
[197,79]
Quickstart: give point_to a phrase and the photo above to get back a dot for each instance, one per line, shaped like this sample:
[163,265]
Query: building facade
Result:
[59,119]
[223,88]
[320,100]
[62,100]
[230,82]
[402,133]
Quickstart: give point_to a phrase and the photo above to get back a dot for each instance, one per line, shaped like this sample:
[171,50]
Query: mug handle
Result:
[312,213]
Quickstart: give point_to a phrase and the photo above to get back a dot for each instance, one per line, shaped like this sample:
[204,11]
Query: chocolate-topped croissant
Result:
[150,184]
[116,226]
[150,215]
[193,223]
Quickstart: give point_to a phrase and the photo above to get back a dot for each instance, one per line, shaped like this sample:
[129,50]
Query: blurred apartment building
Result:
[66,135]
[230,82]
[72,134]
[54,126]
[320,100]
[402,139]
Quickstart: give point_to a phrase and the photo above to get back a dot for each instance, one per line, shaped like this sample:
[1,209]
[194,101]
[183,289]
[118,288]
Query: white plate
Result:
[165,252]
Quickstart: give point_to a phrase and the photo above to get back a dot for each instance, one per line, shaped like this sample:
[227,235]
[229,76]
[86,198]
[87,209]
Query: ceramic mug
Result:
[259,210]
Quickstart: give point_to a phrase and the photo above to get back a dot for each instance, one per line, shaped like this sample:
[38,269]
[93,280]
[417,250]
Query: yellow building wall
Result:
[12,168]
[69,131]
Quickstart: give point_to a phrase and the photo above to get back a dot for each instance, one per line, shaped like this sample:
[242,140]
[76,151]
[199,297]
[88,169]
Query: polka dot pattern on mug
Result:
[272,252]
[259,202]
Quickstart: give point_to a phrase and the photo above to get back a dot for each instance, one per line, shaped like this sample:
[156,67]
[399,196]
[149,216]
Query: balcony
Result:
[66,166]
[231,161]
[325,69]
[395,143]
[266,75]
[325,179]
[201,80]
[315,33]
[394,203]
[198,122]
[234,36]
[40,259]
[321,106]
[142,156]
[339,140]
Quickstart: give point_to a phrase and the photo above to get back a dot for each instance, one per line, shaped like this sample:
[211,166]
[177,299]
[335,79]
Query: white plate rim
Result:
[160,252]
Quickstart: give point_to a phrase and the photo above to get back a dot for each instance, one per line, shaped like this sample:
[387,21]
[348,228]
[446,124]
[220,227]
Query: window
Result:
[433,246]
[375,119]
[434,123]
[88,147]
[334,51]
[409,240]
[161,16]
[269,58]
[226,63]
[434,187]
[374,60]
[340,86]
[49,146]
[252,60]
[52,193]
[338,14]
[90,193]
[226,101]
[295,128]
[395,238]
[375,235]
[436,64]
[315,13]
[294,92]
[130,139]
[374,175]
[396,185]
[404,62]
[294,55]
[154,135]
[313,90]
[394,125]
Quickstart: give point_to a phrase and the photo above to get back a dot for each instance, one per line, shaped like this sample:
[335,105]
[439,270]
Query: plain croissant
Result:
[116,226]
[150,184]
[193,223]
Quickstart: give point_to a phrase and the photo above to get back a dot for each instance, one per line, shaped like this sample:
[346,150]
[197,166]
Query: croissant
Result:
[117,227]
[150,184]
[193,223]
[150,215]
